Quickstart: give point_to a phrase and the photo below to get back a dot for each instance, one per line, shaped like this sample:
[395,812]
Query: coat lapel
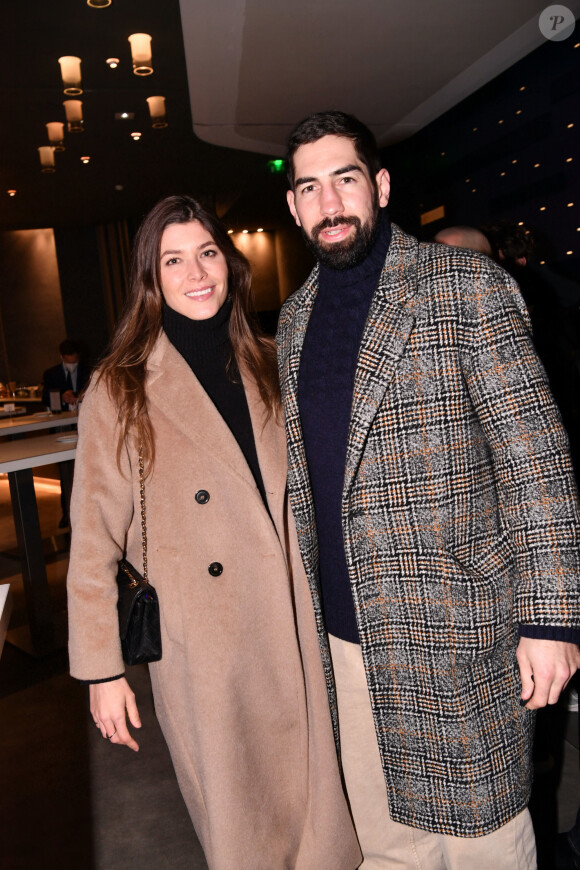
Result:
[176,393]
[385,336]
[270,447]
[290,351]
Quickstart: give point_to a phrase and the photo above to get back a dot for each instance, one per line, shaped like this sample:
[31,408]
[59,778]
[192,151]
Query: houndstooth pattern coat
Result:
[460,522]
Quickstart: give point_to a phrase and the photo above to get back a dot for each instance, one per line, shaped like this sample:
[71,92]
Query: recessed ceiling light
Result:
[568,159]
[569,252]
[123,116]
[570,204]
[536,165]
[136,136]
[260,230]
[230,232]
[85,159]
[11,192]
[514,161]
[245,231]
[542,208]
[523,87]
[570,126]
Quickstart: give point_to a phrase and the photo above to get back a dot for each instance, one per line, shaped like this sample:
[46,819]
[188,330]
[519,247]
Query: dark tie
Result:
[69,384]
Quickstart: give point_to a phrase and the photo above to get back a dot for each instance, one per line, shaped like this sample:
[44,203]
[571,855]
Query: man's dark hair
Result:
[321,124]
[514,241]
[68,347]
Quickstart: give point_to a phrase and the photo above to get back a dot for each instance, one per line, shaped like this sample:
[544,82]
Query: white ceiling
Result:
[257,67]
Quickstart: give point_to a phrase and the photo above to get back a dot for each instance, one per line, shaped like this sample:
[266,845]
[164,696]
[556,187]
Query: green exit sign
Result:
[276,165]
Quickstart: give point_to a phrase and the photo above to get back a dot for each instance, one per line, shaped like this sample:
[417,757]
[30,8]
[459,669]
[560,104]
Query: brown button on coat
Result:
[240,691]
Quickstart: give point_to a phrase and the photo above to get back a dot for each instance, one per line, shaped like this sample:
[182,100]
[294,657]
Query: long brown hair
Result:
[124,366]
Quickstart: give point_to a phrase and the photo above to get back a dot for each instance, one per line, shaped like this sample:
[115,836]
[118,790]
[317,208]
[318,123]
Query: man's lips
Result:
[336,234]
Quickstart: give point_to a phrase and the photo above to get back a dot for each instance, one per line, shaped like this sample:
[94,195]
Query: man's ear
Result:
[292,206]
[383,180]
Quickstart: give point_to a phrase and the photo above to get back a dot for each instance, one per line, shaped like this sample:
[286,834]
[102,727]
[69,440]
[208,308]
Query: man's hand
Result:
[546,667]
[69,397]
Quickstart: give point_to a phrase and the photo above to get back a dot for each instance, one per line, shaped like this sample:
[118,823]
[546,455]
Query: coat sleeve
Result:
[531,458]
[101,514]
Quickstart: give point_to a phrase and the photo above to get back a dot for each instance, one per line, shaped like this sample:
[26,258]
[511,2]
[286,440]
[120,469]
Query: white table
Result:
[37,422]
[17,459]
[18,409]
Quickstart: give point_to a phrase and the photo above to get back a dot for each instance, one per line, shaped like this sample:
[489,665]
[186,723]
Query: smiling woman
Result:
[240,691]
[192,270]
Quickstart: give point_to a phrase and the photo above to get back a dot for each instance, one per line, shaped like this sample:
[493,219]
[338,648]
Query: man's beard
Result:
[351,252]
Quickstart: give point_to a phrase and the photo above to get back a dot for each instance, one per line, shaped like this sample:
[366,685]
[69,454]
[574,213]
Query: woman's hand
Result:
[110,704]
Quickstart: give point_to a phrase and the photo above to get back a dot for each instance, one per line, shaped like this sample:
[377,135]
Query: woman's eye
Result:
[171,261]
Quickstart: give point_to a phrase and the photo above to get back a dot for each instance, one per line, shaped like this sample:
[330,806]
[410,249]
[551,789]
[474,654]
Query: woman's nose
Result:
[196,271]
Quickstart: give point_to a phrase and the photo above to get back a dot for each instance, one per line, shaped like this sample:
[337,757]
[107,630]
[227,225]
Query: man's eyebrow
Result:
[352,167]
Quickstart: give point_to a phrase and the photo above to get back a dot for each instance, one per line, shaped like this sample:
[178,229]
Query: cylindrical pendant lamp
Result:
[157,111]
[56,135]
[141,54]
[74,115]
[46,154]
[70,70]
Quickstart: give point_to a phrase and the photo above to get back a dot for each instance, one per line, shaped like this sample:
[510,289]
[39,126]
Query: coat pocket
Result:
[435,605]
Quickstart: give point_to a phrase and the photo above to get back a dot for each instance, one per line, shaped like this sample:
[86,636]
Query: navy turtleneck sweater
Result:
[325,388]
[206,348]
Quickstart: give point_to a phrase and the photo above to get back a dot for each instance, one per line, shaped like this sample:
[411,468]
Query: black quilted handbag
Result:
[138,605]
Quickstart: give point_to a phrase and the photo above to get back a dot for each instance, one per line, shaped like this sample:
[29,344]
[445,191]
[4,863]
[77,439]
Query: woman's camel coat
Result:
[240,692]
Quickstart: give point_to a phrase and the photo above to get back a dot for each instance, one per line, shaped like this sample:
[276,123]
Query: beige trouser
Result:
[388,844]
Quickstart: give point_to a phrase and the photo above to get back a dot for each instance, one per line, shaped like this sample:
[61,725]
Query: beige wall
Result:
[260,250]
[31,313]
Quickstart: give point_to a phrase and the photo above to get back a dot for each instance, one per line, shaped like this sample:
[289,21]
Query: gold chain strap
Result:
[143,515]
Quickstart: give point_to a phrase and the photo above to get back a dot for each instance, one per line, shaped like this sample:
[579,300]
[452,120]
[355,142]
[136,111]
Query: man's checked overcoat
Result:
[460,523]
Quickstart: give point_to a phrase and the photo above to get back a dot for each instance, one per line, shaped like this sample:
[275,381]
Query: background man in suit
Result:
[436,510]
[68,377]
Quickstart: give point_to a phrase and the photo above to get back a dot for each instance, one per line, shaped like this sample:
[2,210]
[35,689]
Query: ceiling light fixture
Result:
[74,115]
[112,62]
[136,136]
[46,155]
[56,135]
[85,159]
[157,111]
[141,54]
[230,232]
[99,4]
[11,192]
[245,231]
[260,230]
[70,70]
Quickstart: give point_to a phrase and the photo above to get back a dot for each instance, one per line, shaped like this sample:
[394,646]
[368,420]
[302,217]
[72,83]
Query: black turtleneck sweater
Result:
[206,348]
[325,388]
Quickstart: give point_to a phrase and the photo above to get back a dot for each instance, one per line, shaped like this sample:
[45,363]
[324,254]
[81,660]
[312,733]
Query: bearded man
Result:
[433,494]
